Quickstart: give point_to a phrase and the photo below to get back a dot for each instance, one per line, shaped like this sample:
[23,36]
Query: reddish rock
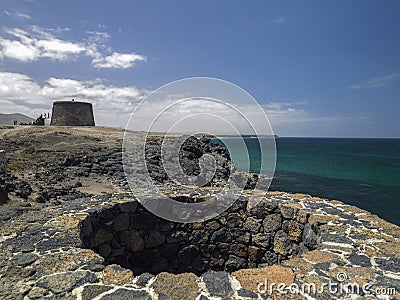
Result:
[114,274]
[180,286]
[238,250]
[255,253]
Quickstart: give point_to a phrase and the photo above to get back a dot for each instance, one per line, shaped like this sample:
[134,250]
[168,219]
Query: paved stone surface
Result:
[366,254]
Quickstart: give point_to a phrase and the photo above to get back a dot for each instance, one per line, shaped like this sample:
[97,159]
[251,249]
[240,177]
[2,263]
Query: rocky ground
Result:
[50,165]
[67,185]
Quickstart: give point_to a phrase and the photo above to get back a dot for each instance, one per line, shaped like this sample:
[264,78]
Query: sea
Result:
[364,172]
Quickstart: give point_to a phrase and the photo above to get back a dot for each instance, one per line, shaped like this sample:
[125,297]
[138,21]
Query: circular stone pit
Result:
[128,235]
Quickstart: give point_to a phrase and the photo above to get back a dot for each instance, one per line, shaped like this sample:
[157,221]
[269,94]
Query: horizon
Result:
[243,135]
[316,69]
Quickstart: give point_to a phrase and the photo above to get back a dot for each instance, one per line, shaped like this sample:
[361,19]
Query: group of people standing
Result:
[39,121]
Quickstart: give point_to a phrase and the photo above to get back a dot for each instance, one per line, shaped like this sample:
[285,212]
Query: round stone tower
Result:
[72,113]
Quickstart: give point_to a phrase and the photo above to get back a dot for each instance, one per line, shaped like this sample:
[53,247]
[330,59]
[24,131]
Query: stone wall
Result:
[72,113]
[3,163]
[128,235]
[41,255]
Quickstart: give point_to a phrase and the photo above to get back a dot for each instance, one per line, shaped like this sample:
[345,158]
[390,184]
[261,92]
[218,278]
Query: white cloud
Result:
[17,14]
[97,36]
[37,43]
[15,86]
[59,30]
[118,60]
[376,82]
[286,112]
[280,20]
[58,49]
[289,113]
[19,51]
[22,35]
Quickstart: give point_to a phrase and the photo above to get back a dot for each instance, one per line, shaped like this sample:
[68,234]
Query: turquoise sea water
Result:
[361,172]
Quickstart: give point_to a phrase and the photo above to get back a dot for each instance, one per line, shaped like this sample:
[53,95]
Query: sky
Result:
[327,69]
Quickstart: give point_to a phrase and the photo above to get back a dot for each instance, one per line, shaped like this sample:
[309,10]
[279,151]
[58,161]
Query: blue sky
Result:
[317,68]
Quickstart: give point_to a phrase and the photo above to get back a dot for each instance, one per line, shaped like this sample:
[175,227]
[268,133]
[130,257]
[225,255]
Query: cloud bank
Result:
[35,43]
[114,105]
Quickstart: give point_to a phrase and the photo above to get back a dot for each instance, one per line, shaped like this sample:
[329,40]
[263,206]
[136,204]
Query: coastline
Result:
[361,172]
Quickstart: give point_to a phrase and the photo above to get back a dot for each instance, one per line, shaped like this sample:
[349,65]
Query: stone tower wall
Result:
[72,113]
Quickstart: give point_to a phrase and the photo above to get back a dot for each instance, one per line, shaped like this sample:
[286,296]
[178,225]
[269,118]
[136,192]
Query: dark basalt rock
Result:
[309,237]
[272,223]
[67,281]
[247,294]
[218,283]
[24,259]
[127,294]
[359,260]
[191,150]
[262,240]
[391,264]
[335,238]
[93,290]
[144,279]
